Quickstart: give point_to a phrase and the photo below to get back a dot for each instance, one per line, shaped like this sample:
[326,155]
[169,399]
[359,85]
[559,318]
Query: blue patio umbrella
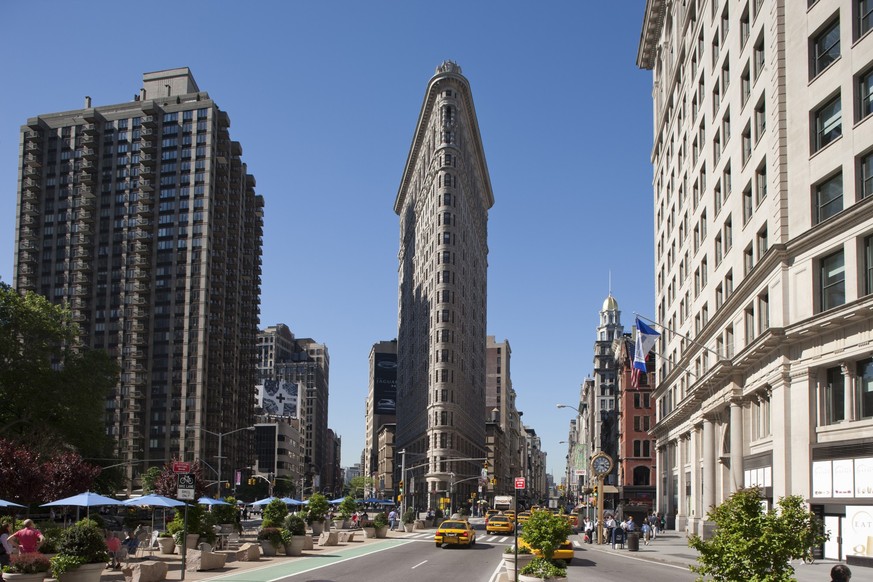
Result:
[211,501]
[336,501]
[291,501]
[265,501]
[86,499]
[4,503]
[154,500]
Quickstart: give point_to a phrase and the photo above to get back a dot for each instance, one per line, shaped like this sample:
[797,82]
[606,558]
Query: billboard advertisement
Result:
[279,398]
[385,383]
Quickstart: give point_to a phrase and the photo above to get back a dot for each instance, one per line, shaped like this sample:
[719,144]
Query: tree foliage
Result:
[755,545]
[28,476]
[545,531]
[53,389]
[166,482]
[357,485]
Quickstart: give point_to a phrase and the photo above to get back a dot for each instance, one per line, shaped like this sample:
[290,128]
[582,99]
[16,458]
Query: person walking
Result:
[27,538]
[587,529]
[392,519]
[841,573]
[5,546]
[646,529]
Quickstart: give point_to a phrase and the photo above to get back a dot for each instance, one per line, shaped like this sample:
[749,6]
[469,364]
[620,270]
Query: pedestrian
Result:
[840,573]
[654,522]
[113,544]
[364,518]
[392,519]
[130,543]
[27,538]
[662,523]
[588,529]
[647,532]
[629,525]
[5,546]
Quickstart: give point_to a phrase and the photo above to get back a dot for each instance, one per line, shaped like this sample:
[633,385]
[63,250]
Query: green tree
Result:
[52,388]
[755,545]
[151,475]
[545,531]
[359,484]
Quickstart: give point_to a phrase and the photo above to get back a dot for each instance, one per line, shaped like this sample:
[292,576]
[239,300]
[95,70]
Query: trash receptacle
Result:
[633,542]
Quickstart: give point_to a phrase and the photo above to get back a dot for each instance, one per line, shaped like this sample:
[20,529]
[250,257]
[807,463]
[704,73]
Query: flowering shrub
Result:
[31,563]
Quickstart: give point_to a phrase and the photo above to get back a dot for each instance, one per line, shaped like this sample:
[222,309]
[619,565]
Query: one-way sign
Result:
[185,486]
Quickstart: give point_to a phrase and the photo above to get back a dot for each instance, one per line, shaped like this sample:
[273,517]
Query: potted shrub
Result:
[380,522]
[542,569]
[270,539]
[195,526]
[408,519]
[166,542]
[346,508]
[316,510]
[227,516]
[274,513]
[544,532]
[81,553]
[31,567]
[514,560]
[294,535]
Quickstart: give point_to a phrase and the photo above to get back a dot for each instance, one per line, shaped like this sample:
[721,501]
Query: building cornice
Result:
[651,32]
[446,71]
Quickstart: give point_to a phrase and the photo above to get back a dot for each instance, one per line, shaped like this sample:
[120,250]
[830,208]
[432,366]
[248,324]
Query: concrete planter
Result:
[267,548]
[382,532]
[369,532]
[307,542]
[317,527]
[295,546]
[16,577]
[408,527]
[167,545]
[84,573]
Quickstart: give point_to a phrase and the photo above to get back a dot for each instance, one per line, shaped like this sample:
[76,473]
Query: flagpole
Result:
[662,326]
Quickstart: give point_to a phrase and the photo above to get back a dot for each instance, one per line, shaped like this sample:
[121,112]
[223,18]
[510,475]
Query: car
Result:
[510,513]
[455,532]
[564,552]
[491,513]
[499,524]
[573,520]
[386,403]
[523,517]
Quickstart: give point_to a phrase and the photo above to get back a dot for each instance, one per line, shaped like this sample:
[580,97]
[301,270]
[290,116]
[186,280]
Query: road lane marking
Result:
[417,565]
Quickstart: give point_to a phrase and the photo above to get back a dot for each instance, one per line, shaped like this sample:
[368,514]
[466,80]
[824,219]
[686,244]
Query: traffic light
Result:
[227,484]
[400,485]
[595,491]
[494,480]
[400,498]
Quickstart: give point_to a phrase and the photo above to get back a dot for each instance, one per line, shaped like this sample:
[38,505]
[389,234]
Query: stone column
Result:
[694,456]
[736,445]
[682,510]
[708,470]
[848,392]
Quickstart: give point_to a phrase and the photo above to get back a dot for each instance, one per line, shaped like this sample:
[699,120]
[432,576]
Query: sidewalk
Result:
[671,547]
[174,561]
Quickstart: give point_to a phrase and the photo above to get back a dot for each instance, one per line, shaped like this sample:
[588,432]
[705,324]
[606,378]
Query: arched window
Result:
[641,475]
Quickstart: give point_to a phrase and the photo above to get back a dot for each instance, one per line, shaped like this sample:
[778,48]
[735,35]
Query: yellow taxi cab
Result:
[499,524]
[491,513]
[523,517]
[510,513]
[456,532]
[564,551]
[573,520]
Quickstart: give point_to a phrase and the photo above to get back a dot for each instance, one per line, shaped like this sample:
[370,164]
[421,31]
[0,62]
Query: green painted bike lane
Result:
[309,562]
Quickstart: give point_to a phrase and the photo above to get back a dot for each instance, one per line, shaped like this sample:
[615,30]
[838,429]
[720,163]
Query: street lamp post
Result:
[221,436]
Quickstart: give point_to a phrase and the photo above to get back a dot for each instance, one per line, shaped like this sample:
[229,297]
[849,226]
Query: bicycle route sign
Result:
[185,486]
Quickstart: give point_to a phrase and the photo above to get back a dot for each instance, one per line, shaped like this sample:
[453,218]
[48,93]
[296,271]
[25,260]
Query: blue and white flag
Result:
[646,338]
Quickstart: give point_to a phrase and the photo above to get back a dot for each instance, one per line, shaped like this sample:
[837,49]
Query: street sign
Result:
[181,467]
[519,483]
[185,486]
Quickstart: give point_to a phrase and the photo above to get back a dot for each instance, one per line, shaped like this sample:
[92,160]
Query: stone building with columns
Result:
[763,174]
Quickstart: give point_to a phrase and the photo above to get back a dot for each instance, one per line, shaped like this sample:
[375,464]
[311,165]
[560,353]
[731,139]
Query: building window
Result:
[865,16]
[747,203]
[760,119]
[864,390]
[761,182]
[868,265]
[828,198]
[759,57]
[828,123]
[749,323]
[763,243]
[748,260]
[747,144]
[745,85]
[865,94]
[825,48]
[763,312]
[832,281]
[866,176]
[834,394]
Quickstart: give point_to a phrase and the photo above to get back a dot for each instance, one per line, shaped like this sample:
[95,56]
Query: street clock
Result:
[601,464]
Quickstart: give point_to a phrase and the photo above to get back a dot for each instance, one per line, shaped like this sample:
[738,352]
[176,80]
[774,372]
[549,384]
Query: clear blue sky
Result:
[324,97]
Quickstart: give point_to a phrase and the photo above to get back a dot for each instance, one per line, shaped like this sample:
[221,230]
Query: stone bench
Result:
[328,539]
[148,571]
[347,536]
[250,552]
[204,559]
[233,555]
